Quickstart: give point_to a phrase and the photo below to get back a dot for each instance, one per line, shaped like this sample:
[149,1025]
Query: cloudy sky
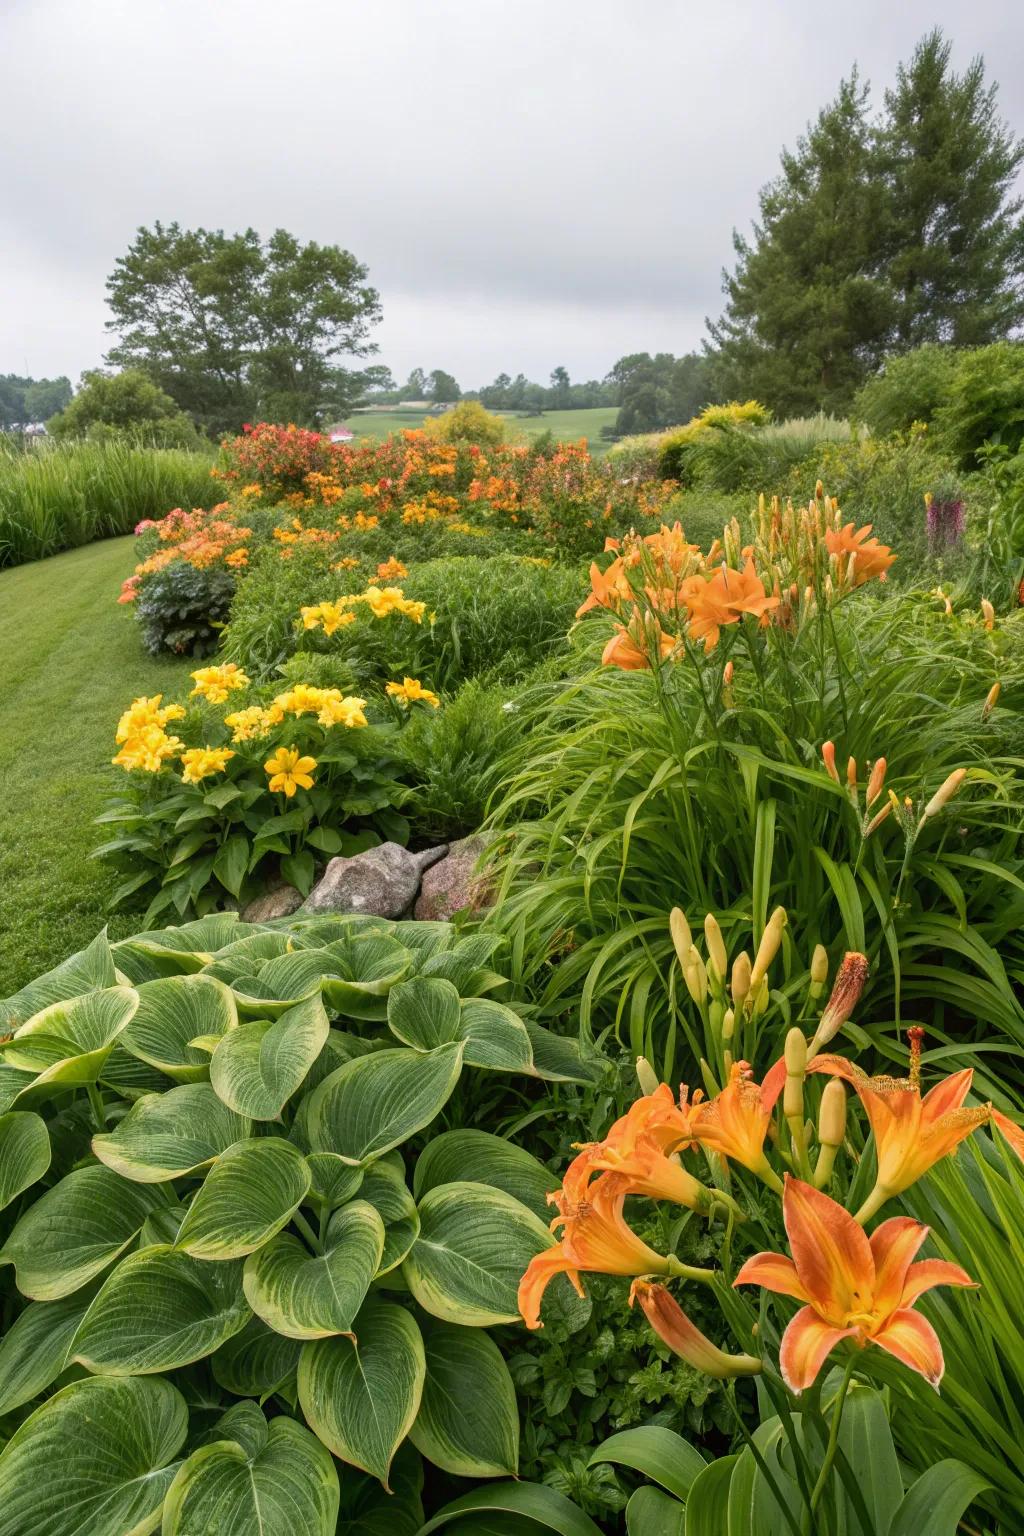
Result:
[530,183]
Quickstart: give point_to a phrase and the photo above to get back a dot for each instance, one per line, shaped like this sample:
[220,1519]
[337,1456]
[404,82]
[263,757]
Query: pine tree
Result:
[955,246]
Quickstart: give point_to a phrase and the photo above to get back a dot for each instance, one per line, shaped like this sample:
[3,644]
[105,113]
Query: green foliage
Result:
[467,423]
[226,1240]
[984,403]
[60,496]
[731,459]
[678,446]
[657,391]
[908,389]
[183,609]
[30,400]
[126,404]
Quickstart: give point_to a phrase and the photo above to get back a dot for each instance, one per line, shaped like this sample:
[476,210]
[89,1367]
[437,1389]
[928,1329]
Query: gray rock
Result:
[454,883]
[282,901]
[382,881]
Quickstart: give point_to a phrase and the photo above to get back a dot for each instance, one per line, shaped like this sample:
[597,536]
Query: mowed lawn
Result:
[71,661]
[567,426]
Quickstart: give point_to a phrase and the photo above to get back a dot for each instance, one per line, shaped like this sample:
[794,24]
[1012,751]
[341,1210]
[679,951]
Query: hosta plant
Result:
[234,1256]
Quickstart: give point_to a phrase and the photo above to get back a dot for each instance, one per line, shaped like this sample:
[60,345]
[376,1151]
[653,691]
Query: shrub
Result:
[678,442]
[732,459]
[909,390]
[226,1184]
[129,405]
[637,458]
[183,609]
[274,459]
[984,403]
[466,422]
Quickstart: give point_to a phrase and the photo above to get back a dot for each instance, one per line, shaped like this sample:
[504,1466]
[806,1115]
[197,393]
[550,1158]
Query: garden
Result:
[542,1048]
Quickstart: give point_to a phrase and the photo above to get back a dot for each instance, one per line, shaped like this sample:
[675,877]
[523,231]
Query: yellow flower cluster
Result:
[411,691]
[199,762]
[361,522]
[247,723]
[329,705]
[215,683]
[328,616]
[381,601]
[141,735]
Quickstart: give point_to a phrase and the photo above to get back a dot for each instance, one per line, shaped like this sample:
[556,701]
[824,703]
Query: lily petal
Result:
[775,1272]
[1013,1133]
[931,1272]
[540,1272]
[832,1255]
[948,1094]
[911,1338]
[805,1344]
[894,1245]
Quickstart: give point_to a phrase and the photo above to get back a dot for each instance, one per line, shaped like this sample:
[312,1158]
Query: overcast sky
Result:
[530,183]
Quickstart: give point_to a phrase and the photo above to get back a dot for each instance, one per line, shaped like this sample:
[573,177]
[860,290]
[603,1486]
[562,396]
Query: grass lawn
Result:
[72,661]
[569,426]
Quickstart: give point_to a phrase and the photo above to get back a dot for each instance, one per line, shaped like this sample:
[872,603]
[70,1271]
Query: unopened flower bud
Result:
[728,674]
[695,975]
[819,967]
[876,781]
[945,792]
[988,613]
[646,1076]
[728,1024]
[849,984]
[832,1114]
[828,757]
[716,948]
[851,772]
[684,1338]
[991,699]
[768,947]
[878,818]
[740,978]
[679,928]
[796,1067]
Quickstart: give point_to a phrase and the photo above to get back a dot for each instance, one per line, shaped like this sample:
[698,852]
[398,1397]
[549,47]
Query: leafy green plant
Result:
[183,609]
[223,1275]
[985,402]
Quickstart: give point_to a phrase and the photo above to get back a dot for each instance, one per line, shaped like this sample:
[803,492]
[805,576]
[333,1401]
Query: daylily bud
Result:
[679,928]
[832,1114]
[819,969]
[646,1076]
[740,978]
[828,757]
[945,792]
[991,699]
[876,781]
[796,1067]
[878,818]
[684,1338]
[728,674]
[988,613]
[695,975]
[819,490]
[728,1024]
[768,947]
[716,947]
[851,772]
[849,984]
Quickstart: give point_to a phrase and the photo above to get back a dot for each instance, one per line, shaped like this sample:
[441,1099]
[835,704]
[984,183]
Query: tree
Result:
[231,326]
[124,403]
[955,243]
[415,387]
[808,308]
[24,400]
[560,386]
[442,388]
[660,391]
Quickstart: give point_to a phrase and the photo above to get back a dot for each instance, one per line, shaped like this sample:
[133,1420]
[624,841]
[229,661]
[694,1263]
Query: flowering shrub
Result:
[183,585]
[272,461]
[268,787]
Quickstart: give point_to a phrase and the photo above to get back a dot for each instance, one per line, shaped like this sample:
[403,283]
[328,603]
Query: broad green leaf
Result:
[334,1180]
[248,1195]
[525,1501]
[362,1396]
[258,1066]
[160,1309]
[659,1453]
[131,1078]
[496,1037]
[376,1102]
[93,1459]
[255,1361]
[474,1245]
[707,1504]
[426,1013]
[363,968]
[557,1059]
[165,1135]
[75,1230]
[866,1441]
[653,1513]
[384,1187]
[86,971]
[173,1012]
[286,1486]
[307,1296]
[189,946]
[468,1423]
[34,1350]
[24,1154]
[281,983]
[67,1044]
[937,1501]
[480,1158]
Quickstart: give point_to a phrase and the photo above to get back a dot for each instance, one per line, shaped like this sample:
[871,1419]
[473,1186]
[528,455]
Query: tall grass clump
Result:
[735,458]
[61,495]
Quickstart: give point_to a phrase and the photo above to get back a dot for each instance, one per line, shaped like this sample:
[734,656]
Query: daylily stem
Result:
[874,1202]
[681,1271]
[833,1442]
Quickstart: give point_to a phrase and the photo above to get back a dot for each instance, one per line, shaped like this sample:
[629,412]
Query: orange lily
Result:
[870,558]
[675,1329]
[1012,1133]
[724,599]
[735,1123]
[628,648]
[608,589]
[636,1149]
[853,1287]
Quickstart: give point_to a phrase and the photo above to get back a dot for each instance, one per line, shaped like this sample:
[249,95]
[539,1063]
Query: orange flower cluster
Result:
[199,538]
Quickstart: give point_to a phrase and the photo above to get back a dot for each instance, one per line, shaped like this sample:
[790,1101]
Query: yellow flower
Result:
[411,691]
[383,600]
[392,569]
[349,563]
[199,762]
[215,683]
[144,713]
[251,490]
[247,723]
[147,749]
[237,557]
[303,699]
[336,710]
[288,771]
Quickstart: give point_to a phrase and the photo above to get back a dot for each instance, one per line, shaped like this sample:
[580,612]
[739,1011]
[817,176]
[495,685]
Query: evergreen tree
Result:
[955,248]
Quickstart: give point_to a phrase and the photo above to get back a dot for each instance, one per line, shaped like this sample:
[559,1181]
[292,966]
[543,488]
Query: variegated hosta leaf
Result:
[75,1230]
[85,971]
[279,984]
[24,1154]
[307,1296]
[384,1188]
[376,1102]
[94,1458]
[173,1012]
[35,1349]
[187,947]
[334,1180]
[67,1044]
[557,1059]
[361,1398]
[361,973]
[168,1134]
[160,1309]
[258,1066]
[285,1485]
[474,1245]
[256,1361]
[427,1012]
[480,1158]
[249,1194]
[468,1423]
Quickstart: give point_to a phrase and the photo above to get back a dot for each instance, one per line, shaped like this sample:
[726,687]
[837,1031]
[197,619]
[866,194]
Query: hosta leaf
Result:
[495,1036]
[189,946]
[653,1513]
[280,984]
[384,1187]
[528,1505]
[249,1194]
[174,1011]
[255,1361]
[334,1180]
[474,1244]
[94,1459]
[168,1134]
[75,1230]
[160,1309]
[361,1397]
[557,1058]
[67,1044]
[361,973]
[468,1423]
[85,971]
[656,1451]
[480,1158]
[258,1066]
[131,1078]
[287,1485]
[309,1296]
[425,1013]
[24,1154]
[376,1102]
[34,1350]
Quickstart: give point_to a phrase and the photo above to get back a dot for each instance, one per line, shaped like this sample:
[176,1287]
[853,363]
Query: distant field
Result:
[568,426]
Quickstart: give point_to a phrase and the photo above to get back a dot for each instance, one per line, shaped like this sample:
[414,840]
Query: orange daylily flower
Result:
[674,1328]
[870,558]
[1012,1133]
[595,1237]
[636,1148]
[735,1122]
[724,599]
[628,647]
[608,589]
[853,1287]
